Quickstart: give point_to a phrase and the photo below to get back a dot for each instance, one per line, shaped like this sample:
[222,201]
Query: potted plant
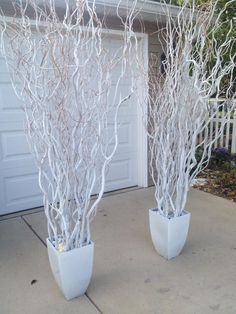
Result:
[63,73]
[179,109]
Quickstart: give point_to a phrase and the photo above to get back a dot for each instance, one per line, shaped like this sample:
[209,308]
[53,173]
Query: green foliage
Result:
[198,154]
[220,157]
[227,179]
[228,166]
[221,174]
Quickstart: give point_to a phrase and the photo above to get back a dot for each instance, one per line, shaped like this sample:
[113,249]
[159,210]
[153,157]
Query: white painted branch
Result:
[179,107]
[70,83]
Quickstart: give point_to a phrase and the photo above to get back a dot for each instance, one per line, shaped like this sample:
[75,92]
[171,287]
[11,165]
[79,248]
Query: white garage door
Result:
[18,174]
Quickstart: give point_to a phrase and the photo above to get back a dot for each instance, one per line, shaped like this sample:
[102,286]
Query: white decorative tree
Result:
[179,108]
[69,81]
[69,93]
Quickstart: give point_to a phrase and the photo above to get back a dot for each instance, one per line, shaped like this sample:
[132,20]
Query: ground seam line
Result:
[35,233]
[94,304]
[20,214]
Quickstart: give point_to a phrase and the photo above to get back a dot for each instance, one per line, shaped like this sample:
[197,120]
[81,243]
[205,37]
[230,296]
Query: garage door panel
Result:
[14,151]
[122,172]
[14,145]
[13,206]
[10,124]
[128,104]
[125,134]
[18,163]
[8,99]
[126,137]
[19,188]
[3,66]
[22,204]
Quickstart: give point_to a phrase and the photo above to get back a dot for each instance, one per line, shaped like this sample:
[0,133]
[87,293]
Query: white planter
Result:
[72,270]
[168,235]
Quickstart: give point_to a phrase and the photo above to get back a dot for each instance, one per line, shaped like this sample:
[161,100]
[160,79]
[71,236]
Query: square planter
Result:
[168,234]
[72,270]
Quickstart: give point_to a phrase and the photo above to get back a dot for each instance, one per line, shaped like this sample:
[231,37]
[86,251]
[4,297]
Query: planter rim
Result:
[70,251]
[184,212]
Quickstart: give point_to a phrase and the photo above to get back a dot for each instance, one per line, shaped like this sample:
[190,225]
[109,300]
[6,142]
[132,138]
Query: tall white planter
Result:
[168,234]
[72,270]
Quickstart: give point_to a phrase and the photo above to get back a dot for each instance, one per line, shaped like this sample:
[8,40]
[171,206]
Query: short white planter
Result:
[72,270]
[168,234]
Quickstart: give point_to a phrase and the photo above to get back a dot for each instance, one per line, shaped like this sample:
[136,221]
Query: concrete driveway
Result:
[129,276]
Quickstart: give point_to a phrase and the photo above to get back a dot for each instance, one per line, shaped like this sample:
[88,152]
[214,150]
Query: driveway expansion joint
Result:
[93,303]
[34,232]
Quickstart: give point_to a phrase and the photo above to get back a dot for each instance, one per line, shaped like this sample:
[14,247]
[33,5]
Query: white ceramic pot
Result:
[168,234]
[72,270]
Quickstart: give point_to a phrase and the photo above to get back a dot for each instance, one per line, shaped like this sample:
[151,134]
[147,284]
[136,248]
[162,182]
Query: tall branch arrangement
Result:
[179,106]
[70,85]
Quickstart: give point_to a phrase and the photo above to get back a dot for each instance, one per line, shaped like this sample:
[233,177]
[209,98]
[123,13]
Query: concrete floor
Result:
[129,276]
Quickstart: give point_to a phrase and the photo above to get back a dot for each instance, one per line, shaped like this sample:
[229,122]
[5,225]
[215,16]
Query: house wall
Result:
[154,48]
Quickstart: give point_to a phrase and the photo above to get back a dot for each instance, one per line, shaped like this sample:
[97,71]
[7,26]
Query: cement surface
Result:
[129,276]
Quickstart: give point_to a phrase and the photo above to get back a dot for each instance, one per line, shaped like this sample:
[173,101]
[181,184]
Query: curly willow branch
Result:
[179,106]
[69,81]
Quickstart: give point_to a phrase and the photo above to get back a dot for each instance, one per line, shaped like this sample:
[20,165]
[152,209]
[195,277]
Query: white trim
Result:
[142,157]
[144,6]
[147,9]
[142,112]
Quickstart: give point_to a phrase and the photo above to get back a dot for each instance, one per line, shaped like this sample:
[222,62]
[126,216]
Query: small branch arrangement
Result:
[69,82]
[179,106]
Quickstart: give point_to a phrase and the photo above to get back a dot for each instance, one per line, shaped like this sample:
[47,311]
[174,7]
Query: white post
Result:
[233,145]
[216,135]
[228,123]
